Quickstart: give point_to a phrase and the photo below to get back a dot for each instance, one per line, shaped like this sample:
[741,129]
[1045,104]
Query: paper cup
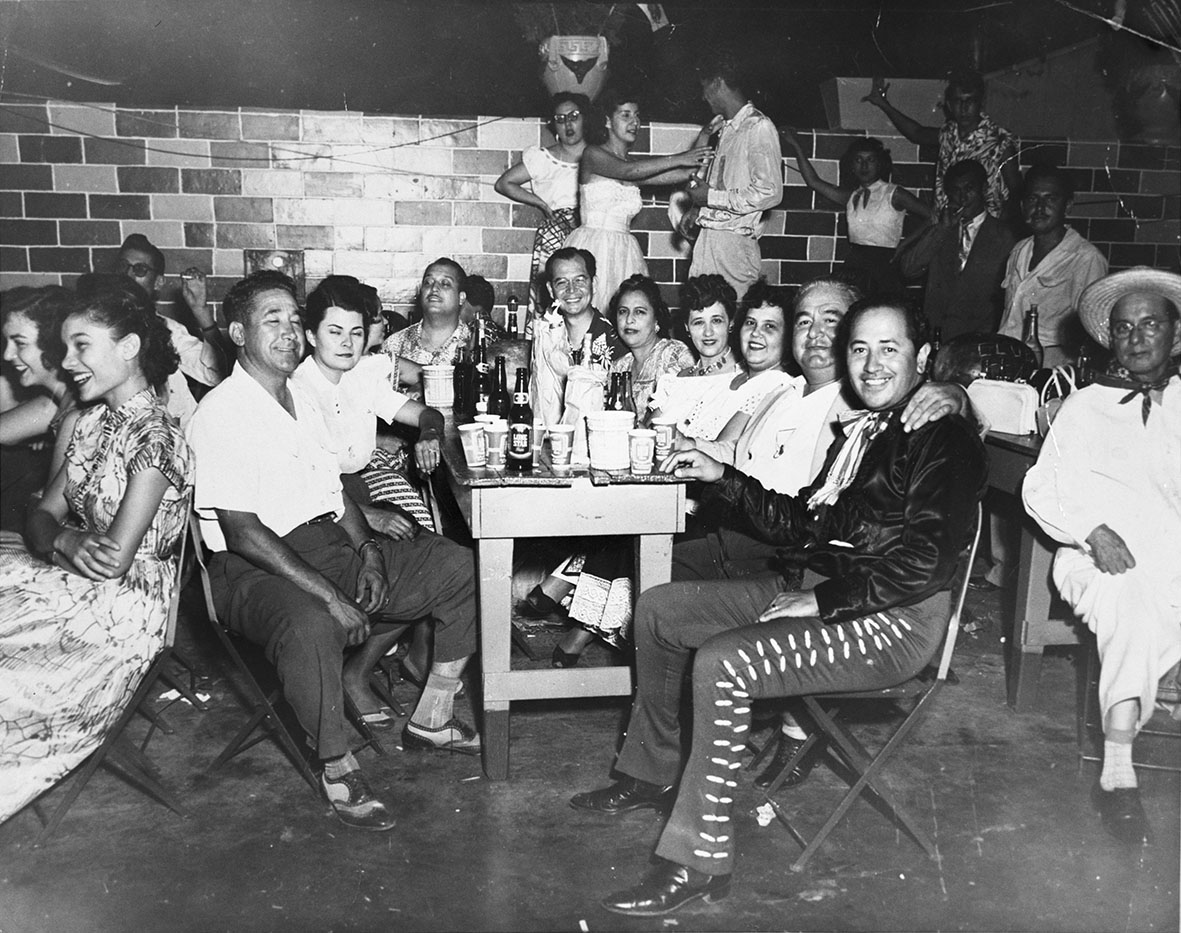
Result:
[561,444]
[538,437]
[438,386]
[641,447]
[665,428]
[488,419]
[475,447]
[607,439]
[497,436]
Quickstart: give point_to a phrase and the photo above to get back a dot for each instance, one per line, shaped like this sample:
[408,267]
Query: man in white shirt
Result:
[200,359]
[744,179]
[295,566]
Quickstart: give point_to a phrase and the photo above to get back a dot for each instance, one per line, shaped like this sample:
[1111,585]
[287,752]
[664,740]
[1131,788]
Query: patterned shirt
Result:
[988,144]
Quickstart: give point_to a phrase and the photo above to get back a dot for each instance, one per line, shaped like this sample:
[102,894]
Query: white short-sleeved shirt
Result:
[352,406]
[552,180]
[181,403]
[252,456]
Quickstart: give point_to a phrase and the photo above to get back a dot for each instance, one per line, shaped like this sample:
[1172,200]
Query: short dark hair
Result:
[724,61]
[605,105]
[1044,171]
[47,308]
[236,305]
[337,291]
[480,293]
[965,79]
[966,168]
[565,254]
[123,307]
[869,144]
[918,331]
[702,291]
[141,244]
[581,101]
[763,293]
[650,290]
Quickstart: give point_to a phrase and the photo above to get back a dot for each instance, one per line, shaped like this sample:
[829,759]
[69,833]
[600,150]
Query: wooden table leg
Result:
[494,558]
[1026,672]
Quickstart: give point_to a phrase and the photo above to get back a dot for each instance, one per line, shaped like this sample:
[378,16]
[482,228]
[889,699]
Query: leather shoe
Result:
[667,887]
[453,736]
[624,796]
[564,658]
[537,605]
[354,803]
[1122,814]
[783,754]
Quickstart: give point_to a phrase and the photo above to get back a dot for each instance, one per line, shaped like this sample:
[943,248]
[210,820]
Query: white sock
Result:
[1117,766]
[339,767]
[437,703]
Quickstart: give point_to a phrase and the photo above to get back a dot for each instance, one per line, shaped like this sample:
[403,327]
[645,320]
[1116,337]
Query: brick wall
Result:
[378,196]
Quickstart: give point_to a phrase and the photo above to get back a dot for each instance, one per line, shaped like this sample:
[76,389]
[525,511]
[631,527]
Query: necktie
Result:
[860,198]
[965,241]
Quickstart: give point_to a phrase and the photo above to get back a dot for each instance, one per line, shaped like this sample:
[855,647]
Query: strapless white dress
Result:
[607,207]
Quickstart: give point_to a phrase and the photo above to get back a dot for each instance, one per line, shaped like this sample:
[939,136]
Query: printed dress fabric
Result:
[669,356]
[72,650]
[608,207]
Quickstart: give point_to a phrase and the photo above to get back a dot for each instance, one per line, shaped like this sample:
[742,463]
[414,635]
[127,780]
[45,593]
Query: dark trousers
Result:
[738,661]
[428,576]
[723,554]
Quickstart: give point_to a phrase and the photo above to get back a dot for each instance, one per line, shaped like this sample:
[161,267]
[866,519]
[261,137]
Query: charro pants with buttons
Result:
[738,661]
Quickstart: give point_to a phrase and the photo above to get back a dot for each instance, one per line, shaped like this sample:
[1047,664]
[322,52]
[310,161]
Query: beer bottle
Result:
[612,393]
[623,397]
[511,317]
[460,382]
[520,425]
[1029,336]
[483,377]
[498,399]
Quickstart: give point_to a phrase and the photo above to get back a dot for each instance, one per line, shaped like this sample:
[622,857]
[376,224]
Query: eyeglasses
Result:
[1149,327]
[560,118]
[138,269]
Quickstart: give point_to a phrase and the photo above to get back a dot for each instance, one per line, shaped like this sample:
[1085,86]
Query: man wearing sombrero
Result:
[1107,485]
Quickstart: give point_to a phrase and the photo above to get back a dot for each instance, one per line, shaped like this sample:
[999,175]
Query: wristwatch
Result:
[694,182]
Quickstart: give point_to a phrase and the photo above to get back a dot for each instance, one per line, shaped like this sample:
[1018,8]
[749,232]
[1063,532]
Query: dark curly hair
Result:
[759,294]
[918,331]
[872,145]
[47,307]
[581,101]
[703,291]
[595,129]
[120,305]
[650,290]
[337,291]
[236,304]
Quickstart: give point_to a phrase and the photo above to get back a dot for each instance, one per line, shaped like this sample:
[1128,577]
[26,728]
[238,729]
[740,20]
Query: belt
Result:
[320,519]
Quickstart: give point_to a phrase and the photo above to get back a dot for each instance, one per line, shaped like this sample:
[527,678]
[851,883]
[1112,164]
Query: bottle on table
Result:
[483,379]
[1029,335]
[1083,369]
[499,401]
[623,397]
[461,382]
[520,426]
[511,316]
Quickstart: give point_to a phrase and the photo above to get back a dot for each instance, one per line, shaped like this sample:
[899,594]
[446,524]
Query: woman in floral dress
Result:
[84,607]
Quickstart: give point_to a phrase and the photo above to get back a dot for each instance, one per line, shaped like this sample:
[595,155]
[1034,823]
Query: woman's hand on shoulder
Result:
[87,554]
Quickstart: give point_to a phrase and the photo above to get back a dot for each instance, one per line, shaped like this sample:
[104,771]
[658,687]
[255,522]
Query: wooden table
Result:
[1040,619]
[500,507]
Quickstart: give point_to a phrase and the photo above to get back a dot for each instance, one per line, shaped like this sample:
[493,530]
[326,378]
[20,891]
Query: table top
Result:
[543,472]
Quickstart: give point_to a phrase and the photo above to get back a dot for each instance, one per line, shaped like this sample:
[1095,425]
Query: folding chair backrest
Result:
[178,582]
[959,590]
[202,563]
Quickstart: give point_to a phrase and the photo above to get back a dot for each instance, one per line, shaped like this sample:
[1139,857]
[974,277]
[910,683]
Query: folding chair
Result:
[117,752]
[824,711]
[263,715]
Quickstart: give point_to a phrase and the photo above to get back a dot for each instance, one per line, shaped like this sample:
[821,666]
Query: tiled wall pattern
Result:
[379,196]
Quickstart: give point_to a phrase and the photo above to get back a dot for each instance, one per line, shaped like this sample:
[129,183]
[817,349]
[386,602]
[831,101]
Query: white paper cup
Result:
[438,386]
[497,434]
[475,446]
[641,448]
[488,419]
[607,439]
[665,428]
[538,437]
[561,444]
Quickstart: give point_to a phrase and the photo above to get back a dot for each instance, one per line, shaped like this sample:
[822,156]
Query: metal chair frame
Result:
[825,710]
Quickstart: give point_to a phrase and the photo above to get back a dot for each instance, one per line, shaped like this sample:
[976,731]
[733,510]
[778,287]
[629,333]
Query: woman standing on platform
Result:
[609,193]
[551,173]
[84,608]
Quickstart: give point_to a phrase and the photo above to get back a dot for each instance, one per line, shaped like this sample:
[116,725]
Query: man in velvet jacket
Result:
[859,602]
[964,256]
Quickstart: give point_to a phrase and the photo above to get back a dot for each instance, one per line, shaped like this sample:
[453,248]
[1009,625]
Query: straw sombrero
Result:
[1097,301]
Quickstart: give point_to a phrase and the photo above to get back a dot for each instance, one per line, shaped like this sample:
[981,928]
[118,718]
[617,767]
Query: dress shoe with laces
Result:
[1122,814]
[784,752]
[354,802]
[624,796]
[453,736]
[667,887]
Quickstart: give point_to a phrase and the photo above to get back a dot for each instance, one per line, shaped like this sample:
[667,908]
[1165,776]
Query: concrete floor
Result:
[1019,846]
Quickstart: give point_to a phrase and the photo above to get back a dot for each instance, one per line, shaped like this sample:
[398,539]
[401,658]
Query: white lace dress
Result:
[607,208]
